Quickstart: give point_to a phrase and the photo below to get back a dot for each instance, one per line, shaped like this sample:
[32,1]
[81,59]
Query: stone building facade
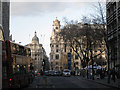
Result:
[4,17]
[60,49]
[37,53]
[113,32]
[46,59]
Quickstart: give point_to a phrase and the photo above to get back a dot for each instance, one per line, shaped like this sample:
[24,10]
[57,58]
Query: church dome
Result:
[35,38]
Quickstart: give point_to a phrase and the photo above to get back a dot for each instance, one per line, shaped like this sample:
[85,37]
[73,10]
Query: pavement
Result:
[104,81]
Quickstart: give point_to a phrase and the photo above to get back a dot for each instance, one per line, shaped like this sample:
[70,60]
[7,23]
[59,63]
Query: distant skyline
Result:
[28,17]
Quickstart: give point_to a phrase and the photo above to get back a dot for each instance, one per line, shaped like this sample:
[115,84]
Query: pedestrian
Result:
[101,74]
[113,74]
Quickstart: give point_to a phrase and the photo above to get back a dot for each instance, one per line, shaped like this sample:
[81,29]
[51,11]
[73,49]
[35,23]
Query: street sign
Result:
[69,61]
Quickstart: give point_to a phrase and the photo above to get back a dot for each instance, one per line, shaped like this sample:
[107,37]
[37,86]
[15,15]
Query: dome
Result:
[35,38]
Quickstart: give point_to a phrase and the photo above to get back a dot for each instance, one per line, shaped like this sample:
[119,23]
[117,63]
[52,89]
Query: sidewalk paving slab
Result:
[112,84]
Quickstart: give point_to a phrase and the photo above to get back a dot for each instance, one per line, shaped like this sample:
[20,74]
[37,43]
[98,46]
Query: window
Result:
[56,63]
[77,63]
[76,57]
[119,21]
[51,56]
[4,69]
[108,12]
[70,50]
[52,45]
[56,45]
[56,50]
[34,45]
[57,56]
[114,6]
[65,47]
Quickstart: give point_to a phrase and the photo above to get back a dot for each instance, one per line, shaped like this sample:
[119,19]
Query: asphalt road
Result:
[63,82]
[73,82]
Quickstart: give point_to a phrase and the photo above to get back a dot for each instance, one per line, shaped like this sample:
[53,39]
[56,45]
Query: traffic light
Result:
[43,62]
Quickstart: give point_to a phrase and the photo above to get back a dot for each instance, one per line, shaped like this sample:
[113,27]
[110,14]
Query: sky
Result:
[28,17]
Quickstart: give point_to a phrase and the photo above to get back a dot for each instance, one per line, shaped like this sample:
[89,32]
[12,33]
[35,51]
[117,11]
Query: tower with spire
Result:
[55,45]
[56,27]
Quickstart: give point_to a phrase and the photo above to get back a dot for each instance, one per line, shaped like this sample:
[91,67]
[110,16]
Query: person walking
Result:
[113,74]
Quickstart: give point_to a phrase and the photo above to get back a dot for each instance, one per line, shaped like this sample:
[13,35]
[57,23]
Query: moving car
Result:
[66,72]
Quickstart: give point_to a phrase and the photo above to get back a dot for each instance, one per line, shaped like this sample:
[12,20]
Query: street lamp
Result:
[92,62]
[87,66]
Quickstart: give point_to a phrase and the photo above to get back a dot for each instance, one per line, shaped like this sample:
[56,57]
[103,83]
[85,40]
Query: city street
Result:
[64,82]
[56,44]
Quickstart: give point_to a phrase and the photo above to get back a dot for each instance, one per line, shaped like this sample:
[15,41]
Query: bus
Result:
[0,65]
[17,65]
[1,39]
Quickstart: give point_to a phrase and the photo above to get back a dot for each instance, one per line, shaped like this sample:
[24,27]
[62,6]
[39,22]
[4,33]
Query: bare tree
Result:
[101,18]
[88,35]
[84,37]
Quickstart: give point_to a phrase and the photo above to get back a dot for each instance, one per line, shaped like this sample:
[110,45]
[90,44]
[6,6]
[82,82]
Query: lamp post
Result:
[92,61]
[87,66]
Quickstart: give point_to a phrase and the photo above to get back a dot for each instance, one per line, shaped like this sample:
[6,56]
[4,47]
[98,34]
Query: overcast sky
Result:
[28,17]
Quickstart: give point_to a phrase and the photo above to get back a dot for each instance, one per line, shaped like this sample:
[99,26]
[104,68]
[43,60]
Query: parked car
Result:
[47,73]
[66,72]
[56,73]
[51,73]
